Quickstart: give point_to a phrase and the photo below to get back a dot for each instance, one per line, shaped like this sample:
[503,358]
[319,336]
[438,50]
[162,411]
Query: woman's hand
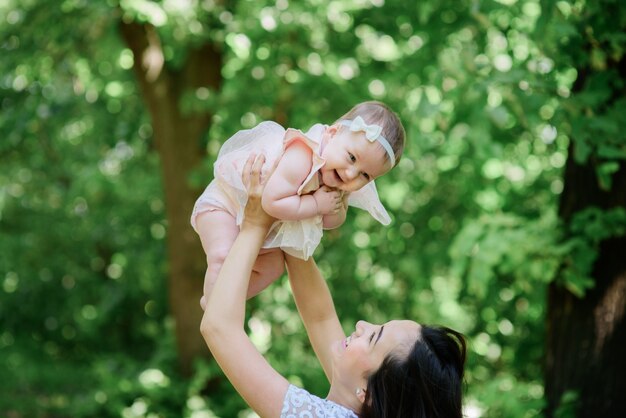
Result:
[255,181]
[254,215]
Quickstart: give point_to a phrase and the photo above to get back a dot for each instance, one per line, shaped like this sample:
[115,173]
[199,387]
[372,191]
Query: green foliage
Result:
[588,229]
[568,405]
[591,38]
[486,91]
[503,246]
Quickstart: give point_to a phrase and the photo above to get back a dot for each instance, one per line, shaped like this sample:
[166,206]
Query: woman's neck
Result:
[344,397]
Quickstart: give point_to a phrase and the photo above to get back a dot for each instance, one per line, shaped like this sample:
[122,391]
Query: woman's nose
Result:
[362,326]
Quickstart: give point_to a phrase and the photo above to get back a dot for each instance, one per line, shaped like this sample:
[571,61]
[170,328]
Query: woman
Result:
[398,369]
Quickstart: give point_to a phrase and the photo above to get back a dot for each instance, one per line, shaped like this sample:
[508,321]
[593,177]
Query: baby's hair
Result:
[380,114]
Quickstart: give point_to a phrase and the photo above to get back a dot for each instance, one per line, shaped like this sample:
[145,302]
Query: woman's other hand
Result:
[254,181]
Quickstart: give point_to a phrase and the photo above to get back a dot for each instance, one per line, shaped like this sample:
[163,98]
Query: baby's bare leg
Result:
[268,267]
[218,230]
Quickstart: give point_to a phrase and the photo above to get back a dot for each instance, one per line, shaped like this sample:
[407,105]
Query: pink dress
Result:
[226,192]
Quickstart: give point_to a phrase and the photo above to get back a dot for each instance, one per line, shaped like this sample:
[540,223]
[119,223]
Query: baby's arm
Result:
[335,220]
[280,198]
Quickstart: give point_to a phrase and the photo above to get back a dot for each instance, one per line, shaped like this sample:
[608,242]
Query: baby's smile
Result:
[338,176]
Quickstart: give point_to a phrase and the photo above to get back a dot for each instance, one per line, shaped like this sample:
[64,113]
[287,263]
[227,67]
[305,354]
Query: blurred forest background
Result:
[508,206]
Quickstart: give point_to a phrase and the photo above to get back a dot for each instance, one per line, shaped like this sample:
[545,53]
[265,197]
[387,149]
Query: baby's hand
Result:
[329,201]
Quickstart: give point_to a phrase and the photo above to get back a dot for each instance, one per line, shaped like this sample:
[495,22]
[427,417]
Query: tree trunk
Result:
[178,140]
[586,336]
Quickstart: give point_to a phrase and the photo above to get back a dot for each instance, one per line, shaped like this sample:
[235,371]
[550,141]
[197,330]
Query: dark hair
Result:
[380,114]
[425,384]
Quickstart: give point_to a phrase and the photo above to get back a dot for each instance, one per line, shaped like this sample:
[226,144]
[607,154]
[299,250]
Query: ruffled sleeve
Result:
[312,139]
[367,199]
[266,138]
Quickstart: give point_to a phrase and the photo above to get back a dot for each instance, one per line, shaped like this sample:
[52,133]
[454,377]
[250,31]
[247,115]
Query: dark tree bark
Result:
[178,140]
[586,337]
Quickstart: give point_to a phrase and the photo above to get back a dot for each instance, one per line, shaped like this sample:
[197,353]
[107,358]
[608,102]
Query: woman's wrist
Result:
[254,232]
[256,225]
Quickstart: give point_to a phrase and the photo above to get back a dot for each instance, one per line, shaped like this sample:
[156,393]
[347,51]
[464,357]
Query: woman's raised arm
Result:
[316,308]
[223,322]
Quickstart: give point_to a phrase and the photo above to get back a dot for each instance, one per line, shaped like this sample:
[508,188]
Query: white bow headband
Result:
[372,133]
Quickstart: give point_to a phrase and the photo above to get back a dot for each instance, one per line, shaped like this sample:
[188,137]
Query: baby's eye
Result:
[367,176]
[352,157]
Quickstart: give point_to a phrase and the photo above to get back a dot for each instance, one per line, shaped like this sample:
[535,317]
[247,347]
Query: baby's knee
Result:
[277,267]
[271,264]
[268,268]
[215,260]
[216,256]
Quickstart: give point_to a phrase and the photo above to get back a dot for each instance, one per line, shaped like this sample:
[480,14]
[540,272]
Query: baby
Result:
[317,175]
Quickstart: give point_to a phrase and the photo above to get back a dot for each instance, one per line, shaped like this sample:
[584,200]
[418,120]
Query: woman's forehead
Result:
[403,328]
[398,336]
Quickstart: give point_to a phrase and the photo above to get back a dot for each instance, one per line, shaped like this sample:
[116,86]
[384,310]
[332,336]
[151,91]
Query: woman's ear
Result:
[360,395]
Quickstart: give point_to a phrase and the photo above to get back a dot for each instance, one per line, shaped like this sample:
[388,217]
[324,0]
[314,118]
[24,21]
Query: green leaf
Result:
[605,173]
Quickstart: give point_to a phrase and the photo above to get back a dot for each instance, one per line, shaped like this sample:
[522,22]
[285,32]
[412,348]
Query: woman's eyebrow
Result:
[379,334]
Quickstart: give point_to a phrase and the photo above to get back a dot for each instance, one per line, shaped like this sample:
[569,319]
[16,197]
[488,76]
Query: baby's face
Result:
[351,160]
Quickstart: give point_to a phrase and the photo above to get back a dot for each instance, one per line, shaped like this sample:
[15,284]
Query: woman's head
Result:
[425,383]
[402,369]
[355,157]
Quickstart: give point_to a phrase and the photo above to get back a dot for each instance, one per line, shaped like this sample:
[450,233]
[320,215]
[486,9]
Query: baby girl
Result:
[317,175]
